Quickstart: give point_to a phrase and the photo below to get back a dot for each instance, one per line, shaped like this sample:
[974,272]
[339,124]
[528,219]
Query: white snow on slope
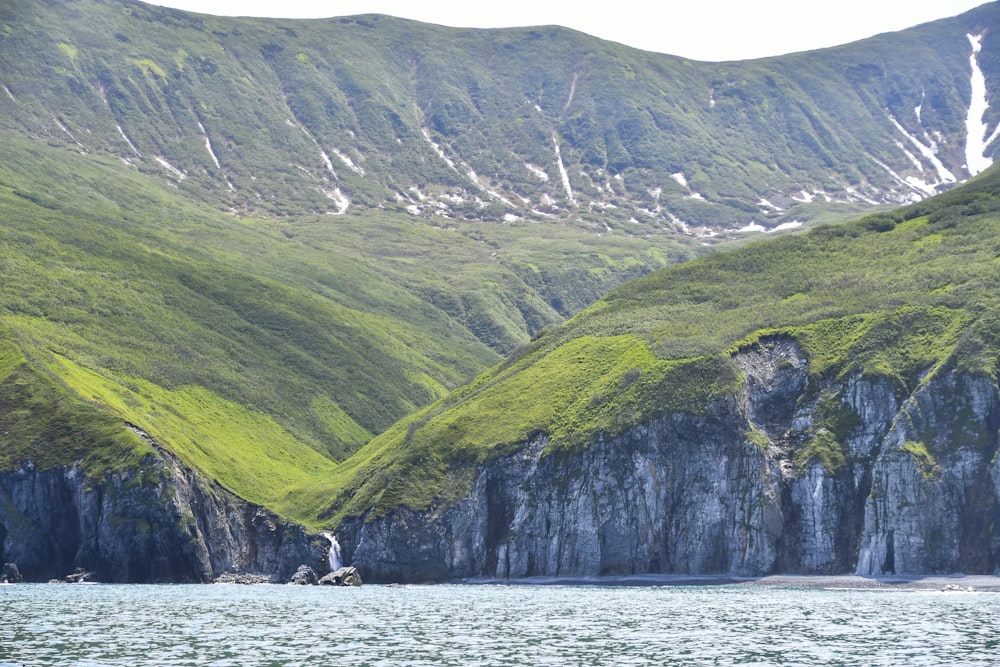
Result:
[929,152]
[208,146]
[339,199]
[349,163]
[562,170]
[537,171]
[171,168]
[680,178]
[756,227]
[910,156]
[128,141]
[437,149]
[70,134]
[9,94]
[921,186]
[322,153]
[976,142]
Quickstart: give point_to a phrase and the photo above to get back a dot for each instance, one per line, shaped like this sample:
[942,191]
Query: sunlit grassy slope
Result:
[259,351]
[892,295]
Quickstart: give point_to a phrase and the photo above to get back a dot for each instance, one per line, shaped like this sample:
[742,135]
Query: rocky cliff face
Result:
[157,522]
[791,475]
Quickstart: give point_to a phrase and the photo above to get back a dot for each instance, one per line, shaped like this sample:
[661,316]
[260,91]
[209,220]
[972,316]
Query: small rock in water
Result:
[304,576]
[345,576]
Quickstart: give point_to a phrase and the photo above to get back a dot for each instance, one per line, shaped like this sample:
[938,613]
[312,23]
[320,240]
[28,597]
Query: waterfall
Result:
[333,556]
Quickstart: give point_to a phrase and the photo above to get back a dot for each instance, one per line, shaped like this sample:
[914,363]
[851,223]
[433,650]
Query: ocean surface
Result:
[233,625]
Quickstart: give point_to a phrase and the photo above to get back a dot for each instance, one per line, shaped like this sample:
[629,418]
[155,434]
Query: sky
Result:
[697,29]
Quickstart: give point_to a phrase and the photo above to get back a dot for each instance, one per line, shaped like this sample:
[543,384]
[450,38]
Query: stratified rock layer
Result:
[757,484]
[157,522]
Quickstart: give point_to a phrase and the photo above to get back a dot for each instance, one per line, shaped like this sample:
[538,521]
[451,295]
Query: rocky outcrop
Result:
[10,574]
[304,576]
[345,576]
[154,522]
[790,475]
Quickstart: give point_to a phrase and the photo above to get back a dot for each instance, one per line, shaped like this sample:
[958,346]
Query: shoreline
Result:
[978,583]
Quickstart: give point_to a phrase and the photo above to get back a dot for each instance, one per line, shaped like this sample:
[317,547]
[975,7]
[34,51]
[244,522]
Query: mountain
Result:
[821,403]
[235,250]
[275,118]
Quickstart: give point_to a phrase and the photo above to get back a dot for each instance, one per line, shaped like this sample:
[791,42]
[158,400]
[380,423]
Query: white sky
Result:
[696,29]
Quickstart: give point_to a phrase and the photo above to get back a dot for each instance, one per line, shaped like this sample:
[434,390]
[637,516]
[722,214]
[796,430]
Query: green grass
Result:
[899,298]
[247,452]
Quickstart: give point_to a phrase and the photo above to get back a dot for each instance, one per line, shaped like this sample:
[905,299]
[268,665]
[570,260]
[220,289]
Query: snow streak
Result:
[976,142]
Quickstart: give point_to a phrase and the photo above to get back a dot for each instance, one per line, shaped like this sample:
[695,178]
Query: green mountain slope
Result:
[263,242]
[891,295]
[275,117]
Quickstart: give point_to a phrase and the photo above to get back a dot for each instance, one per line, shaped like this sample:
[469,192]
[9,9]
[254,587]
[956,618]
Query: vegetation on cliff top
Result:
[894,295]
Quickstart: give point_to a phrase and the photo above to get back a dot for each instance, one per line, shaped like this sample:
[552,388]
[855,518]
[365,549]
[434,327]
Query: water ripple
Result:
[240,626]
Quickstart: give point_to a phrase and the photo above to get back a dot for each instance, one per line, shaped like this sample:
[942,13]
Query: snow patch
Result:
[128,141]
[910,181]
[9,94]
[171,168]
[860,196]
[910,156]
[680,178]
[763,203]
[928,151]
[793,224]
[752,227]
[70,134]
[976,129]
[804,197]
[437,149]
[322,153]
[339,199]
[208,146]
[510,217]
[562,170]
[538,172]
[349,163]
[694,195]
[413,209]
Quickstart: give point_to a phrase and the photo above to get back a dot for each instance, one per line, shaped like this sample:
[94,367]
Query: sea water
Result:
[233,625]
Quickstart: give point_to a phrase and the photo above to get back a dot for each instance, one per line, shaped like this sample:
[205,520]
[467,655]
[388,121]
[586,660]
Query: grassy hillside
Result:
[259,351]
[892,295]
[264,242]
[277,117]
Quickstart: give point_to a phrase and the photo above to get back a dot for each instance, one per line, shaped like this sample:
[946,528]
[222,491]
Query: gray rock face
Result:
[304,576]
[158,522]
[10,574]
[345,576]
[783,477]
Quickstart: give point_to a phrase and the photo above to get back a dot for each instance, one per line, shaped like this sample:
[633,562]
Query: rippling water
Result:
[492,625]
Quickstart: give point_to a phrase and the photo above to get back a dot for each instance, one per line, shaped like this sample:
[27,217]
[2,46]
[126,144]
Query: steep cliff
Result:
[824,403]
[758,484]
[154,522]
